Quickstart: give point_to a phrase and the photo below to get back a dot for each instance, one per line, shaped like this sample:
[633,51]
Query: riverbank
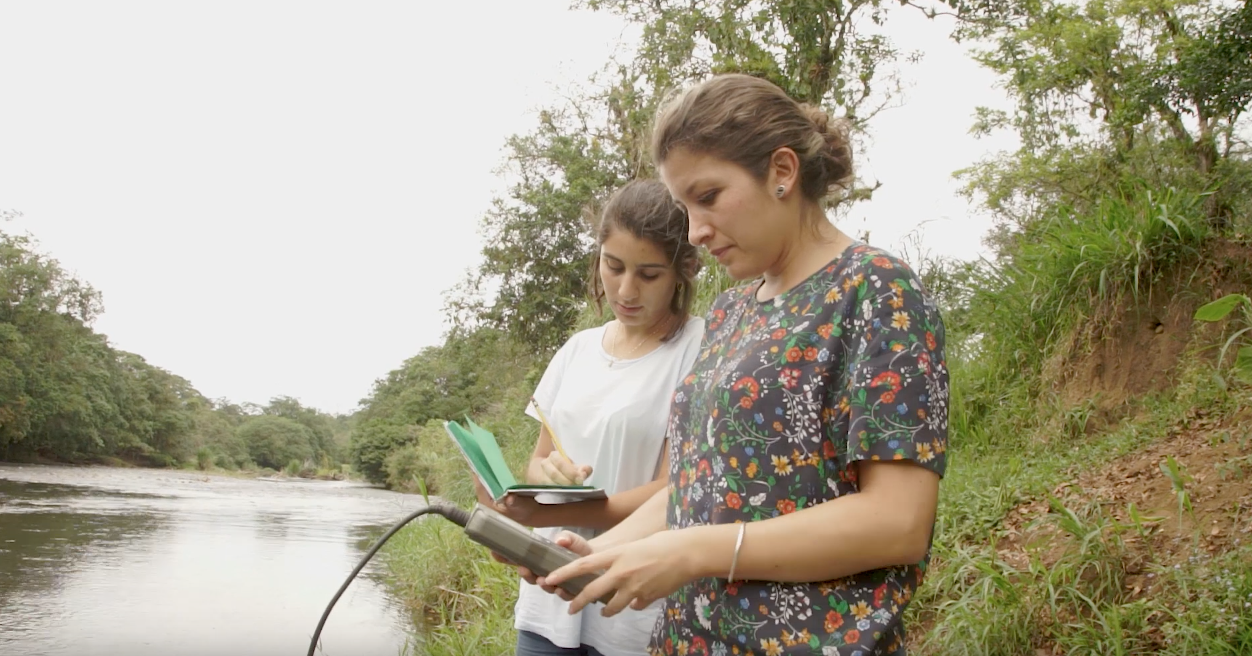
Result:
[462,599]
[307,472]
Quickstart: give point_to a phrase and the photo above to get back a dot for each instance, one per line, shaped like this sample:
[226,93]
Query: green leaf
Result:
[1217,310]
[1243,364]
[814,643]
[421,486]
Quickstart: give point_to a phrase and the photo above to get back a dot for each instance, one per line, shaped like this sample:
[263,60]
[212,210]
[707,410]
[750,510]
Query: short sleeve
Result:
[897,388]
[546,390]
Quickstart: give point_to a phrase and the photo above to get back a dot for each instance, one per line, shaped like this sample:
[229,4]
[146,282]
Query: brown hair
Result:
[645,210]
[744,119]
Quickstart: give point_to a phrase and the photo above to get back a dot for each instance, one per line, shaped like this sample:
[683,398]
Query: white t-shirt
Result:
[614,419]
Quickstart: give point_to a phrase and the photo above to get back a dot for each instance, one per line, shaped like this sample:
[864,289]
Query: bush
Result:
[405,467]
[273,442]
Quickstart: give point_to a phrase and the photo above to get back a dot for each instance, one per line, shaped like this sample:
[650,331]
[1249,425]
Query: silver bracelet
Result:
[735,559]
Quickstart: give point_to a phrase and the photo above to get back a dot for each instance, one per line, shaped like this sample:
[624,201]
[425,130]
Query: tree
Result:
[54,368]
[275,441]
[535,261]
[822,52]
[1106,90]
[319,424]
[66,393]
[537,243]
[466,375]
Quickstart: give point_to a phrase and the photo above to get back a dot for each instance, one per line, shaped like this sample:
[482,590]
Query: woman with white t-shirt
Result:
[606,393]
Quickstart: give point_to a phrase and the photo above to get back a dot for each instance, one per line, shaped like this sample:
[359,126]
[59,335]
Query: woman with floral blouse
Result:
[807,443]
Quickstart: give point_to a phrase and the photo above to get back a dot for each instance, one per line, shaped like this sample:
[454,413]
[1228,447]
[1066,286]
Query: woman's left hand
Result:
[519,509]
[641,572]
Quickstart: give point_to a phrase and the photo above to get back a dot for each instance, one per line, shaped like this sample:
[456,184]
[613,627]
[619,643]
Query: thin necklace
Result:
[613,360]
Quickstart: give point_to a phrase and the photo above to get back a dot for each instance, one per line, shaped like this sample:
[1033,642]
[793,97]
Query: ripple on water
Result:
[224,565]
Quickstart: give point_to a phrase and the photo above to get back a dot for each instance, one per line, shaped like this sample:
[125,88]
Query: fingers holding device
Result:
[522,547]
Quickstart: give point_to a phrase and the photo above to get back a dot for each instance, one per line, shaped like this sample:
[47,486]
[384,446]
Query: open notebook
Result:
[483,454]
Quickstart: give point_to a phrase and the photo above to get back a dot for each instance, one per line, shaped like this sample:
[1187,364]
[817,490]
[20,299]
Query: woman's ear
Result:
[784,171]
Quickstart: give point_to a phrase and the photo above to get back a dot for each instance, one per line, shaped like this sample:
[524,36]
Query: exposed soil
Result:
[1110,364]
[1127,352]
[1215,459]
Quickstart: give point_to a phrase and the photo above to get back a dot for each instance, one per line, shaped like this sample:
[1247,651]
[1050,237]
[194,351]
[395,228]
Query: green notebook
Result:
[483,454]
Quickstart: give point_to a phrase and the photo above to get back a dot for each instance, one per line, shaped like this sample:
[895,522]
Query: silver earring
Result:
[781,189]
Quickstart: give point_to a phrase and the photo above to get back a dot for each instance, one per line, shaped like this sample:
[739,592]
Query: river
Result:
[145,562]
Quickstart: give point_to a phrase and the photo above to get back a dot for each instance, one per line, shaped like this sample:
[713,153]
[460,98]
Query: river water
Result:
[143,562]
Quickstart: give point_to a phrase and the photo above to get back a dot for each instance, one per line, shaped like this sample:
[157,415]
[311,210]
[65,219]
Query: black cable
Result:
[452,513]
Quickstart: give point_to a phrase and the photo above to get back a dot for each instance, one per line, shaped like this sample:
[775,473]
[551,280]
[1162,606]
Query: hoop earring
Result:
[780,191]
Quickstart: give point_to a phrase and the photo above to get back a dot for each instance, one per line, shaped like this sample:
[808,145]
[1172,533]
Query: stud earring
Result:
[779,192]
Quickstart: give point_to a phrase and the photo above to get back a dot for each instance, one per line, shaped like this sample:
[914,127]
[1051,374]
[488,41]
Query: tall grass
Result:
[1070,263]
[974,601]
[1051,287]
[462,598]
[1069,269]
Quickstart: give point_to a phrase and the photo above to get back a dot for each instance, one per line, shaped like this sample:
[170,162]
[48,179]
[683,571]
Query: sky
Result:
[273,197]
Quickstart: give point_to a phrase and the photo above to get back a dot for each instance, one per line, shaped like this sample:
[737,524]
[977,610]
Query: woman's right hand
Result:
[572,541]
[557,470]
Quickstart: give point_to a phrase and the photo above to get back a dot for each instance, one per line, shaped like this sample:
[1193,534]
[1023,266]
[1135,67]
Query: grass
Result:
[462,599]
[975,602]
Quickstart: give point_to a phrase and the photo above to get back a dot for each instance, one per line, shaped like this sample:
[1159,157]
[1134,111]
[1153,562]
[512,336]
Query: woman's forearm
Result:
[845,536]
[599,514]
[647,519]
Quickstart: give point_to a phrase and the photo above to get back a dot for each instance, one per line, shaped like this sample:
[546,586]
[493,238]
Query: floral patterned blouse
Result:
[784,395]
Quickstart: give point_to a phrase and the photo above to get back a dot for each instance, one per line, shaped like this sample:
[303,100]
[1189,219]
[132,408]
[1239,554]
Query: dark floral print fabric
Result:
[783,397]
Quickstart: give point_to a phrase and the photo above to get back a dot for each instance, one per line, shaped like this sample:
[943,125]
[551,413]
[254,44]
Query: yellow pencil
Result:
[555,442]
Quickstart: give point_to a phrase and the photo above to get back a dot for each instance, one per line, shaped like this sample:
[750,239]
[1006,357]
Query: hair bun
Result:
[834,152]
[836,132]
[817,115]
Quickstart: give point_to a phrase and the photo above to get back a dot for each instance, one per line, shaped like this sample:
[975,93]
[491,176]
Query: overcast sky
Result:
[274,196]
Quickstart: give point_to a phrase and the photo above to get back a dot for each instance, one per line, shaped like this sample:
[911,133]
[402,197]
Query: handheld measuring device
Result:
[524,547]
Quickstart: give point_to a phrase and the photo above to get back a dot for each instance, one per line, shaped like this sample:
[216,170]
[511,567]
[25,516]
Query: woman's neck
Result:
[656,329]
[803,256]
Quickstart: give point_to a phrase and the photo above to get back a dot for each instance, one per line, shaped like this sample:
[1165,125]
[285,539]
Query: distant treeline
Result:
[67,395]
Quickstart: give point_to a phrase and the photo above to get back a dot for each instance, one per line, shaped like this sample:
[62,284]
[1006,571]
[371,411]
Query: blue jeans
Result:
[533,644]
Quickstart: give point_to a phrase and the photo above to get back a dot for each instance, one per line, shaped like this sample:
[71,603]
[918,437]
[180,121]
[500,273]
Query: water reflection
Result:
[144,562]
